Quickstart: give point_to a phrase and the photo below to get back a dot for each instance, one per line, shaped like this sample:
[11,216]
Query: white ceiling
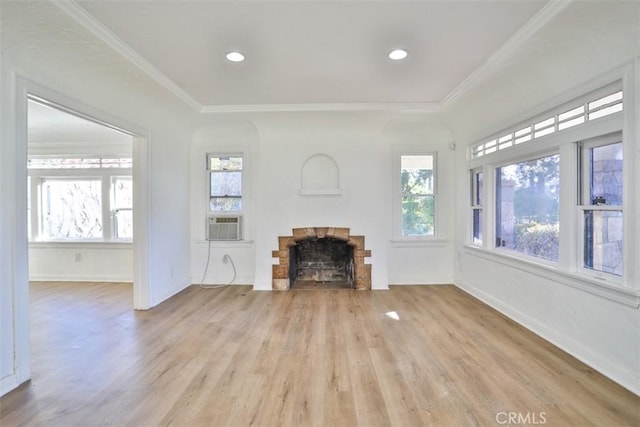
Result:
[309,52]
[53,129]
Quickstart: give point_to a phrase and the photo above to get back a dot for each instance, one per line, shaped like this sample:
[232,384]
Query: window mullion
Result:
[568,229]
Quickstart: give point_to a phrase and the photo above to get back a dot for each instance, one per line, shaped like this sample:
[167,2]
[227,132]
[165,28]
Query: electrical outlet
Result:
[225,259]
[78,256]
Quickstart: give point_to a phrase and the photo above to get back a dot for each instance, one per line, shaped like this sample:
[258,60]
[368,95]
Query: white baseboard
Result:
[8,383]
[240,280]
[627,379]
[80,278]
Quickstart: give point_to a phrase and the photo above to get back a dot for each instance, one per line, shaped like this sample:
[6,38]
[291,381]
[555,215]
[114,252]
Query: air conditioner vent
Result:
[224,228]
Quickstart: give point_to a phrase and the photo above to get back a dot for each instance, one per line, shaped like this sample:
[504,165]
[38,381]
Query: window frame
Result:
[210,171]
[397,218]
[477,201]
[514,161]
[114,209]
[624,289]
[37,176]
[42,207]
[584,205]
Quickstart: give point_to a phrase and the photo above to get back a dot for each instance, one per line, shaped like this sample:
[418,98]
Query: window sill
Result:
[225,243]
[320,192]
[80,244]
[419,243]
[599,287]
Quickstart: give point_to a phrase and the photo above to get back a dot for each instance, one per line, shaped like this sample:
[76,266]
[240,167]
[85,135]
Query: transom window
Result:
[602,103]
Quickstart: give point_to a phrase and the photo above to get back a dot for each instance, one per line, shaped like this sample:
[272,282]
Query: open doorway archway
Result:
[140,157]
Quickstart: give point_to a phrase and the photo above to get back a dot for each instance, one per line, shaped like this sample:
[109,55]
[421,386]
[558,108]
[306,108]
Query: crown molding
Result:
[76,12]
[409,107]
[491,65]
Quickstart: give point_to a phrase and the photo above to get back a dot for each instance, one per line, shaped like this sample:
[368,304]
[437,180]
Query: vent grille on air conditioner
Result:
[224,228]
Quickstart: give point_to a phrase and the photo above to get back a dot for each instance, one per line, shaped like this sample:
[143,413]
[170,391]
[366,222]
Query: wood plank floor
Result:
[410,356]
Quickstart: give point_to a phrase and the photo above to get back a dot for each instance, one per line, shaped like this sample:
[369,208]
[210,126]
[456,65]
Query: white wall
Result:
[565,58]
[81,262]
[43,48]
[222,135]
[362,145]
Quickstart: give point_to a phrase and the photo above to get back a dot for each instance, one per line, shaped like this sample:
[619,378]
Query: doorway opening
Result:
[79,197]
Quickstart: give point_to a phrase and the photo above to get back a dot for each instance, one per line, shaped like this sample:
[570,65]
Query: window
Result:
[522,213]
[80,199]
[476,207]
[225,183]
[71,209]
[417,182]
[601,206]
[601,103]
[122,207]
[527,207]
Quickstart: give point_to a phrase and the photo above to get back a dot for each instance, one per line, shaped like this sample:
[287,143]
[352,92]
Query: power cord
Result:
[226,258]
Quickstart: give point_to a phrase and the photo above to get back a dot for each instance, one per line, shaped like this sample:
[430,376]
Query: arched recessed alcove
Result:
[320,176]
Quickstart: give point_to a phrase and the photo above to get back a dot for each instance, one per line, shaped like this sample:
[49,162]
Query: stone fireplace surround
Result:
[280,271]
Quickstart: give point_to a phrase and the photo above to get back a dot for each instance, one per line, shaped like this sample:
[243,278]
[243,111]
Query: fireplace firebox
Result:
[321,262]
[321,257]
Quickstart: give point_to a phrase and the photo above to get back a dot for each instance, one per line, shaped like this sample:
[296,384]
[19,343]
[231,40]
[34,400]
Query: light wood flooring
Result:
[410,356]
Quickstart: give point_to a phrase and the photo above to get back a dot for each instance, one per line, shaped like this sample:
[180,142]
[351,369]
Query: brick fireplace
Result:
[318,257]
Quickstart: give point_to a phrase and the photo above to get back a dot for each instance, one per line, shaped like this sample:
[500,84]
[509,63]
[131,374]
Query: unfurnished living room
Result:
[337,213]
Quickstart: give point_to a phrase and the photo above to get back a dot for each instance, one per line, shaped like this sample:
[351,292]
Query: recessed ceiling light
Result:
[398,54]
[235,56]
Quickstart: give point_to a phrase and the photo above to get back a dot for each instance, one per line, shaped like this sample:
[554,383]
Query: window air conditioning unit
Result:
[224,228]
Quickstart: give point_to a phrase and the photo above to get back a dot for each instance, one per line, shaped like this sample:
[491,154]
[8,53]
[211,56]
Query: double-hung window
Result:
[527,207]
[418,194]
[122,206]
[476,206]
[225,183]
[600,209]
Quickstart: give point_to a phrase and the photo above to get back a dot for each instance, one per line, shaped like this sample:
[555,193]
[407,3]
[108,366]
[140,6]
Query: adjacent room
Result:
[344,213]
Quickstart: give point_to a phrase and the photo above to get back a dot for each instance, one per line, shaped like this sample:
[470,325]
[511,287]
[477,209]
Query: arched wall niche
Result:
[320,176]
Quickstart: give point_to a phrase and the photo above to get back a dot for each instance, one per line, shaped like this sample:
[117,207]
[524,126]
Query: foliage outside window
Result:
[527,207]
[71,209]
[225,183]
[418,195]
[601,201]
[476,207]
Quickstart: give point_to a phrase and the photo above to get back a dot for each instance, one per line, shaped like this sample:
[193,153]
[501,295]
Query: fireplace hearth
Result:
[321,258]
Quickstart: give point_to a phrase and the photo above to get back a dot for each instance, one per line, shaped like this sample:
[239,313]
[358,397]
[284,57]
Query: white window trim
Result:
[474,206]
[625,121]
[494,236]
[398,239]
[105,175]
[208,183]
[582,207]
[113,210]
[247,229]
